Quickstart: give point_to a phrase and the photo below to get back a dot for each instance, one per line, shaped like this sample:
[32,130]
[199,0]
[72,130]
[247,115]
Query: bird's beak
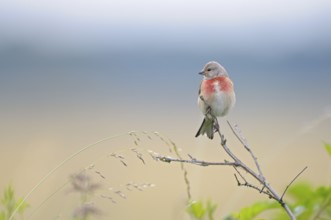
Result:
[202,73]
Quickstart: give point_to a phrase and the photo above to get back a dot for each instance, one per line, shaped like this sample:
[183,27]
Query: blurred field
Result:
[72,73]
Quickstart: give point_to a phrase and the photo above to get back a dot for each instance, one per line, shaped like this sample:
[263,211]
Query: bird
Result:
[216,97]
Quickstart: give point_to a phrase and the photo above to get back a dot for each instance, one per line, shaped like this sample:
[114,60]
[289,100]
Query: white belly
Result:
[220,103]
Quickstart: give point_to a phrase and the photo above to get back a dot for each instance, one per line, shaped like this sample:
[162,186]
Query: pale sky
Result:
[81,23]
[171,11]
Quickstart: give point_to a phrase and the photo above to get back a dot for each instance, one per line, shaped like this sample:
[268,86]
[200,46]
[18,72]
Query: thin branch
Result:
[195,161]
[187,182]
[237,163]
[262,190]
[259,177]
[243,140]
[281,198]
[322,209]
[254,187]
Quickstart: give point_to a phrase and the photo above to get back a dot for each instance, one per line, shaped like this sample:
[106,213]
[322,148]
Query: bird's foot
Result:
[216,127]
[208,110]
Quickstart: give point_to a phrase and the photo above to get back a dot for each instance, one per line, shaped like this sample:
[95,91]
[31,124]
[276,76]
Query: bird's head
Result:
[213,69]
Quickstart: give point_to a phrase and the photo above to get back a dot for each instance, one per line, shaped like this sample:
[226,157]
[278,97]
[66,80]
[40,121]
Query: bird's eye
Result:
[208,69]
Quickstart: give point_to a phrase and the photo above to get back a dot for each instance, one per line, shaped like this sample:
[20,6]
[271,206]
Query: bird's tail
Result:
[207,127]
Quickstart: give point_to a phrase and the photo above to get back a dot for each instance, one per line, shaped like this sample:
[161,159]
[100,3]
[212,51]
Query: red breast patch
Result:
[224,83]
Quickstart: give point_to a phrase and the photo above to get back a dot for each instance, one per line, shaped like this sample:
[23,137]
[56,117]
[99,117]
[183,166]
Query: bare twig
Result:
[247,184]
[281,198]
[260,178]
[195,162]
[237,163]
[262,190]
[326,204]
[187,182]
[243,140]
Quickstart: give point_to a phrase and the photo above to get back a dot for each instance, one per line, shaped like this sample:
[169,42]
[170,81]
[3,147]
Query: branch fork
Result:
[237,163]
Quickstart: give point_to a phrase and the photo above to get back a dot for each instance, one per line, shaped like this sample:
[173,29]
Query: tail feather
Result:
[207,127]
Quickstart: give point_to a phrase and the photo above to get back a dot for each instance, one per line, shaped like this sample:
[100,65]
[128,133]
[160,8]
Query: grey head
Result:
[213,69]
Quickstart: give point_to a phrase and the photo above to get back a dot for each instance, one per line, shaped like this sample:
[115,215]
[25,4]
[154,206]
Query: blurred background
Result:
[74,72]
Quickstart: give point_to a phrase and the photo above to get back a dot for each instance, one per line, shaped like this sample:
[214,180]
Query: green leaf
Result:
[211,208]
[323,192]
[201,210]
[23,205]
[248,213]
[196,209]
[8,196]
[10,204]
[328,148]
[301,191]
[2,216]
[8,199]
